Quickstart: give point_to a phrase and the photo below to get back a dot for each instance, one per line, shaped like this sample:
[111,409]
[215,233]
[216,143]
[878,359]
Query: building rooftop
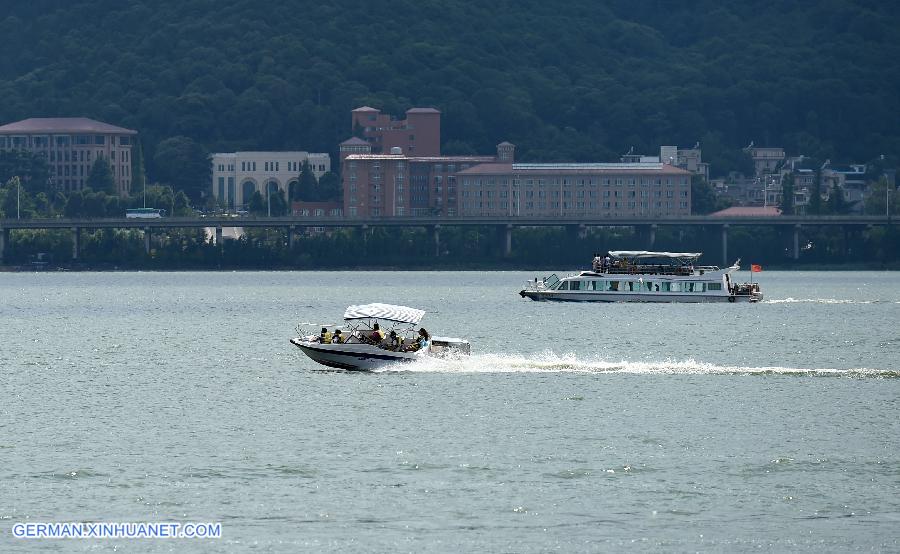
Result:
[52,125]
[578,168]
[354,141]
[366,109]
[441,159]
[422,110]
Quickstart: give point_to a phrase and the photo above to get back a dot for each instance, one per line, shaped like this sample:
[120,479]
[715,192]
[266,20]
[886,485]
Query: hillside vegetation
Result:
[575,80]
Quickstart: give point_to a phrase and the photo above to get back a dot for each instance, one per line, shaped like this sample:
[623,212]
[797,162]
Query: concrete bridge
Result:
[435,223]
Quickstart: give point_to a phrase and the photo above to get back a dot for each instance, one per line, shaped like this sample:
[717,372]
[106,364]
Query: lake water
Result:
[572,427]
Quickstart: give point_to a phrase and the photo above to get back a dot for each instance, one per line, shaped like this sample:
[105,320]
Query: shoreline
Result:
[104,268]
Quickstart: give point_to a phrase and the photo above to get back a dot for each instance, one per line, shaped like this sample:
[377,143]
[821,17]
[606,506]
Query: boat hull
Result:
[656,297]
[353,357]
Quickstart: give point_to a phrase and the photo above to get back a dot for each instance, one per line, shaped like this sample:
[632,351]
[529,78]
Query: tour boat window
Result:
[576,285]
[714,286]
[613,285]
[665,287]
[597,285]
[648,285]
[675,287]
[564,285]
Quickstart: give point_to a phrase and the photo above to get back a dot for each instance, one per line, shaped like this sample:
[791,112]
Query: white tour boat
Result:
[359,348]
[640,276]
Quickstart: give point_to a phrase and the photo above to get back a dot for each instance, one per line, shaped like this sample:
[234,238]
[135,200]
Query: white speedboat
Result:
[361,349]
[641,276]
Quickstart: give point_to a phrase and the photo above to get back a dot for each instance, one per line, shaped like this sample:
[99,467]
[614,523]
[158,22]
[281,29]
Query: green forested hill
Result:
[566,80]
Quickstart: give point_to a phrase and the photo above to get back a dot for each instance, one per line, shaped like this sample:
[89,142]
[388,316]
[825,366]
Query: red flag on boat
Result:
[755,268]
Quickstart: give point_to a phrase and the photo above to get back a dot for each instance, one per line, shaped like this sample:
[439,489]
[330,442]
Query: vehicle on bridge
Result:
[640,276]
[145,213]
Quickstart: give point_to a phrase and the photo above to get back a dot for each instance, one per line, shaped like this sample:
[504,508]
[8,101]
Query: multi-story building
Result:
[689,159]
[378,185]
[236,176]
[851,178]
[384,185]
[574,189]
[71,145]
[765,160]
[417,135]
[396,182]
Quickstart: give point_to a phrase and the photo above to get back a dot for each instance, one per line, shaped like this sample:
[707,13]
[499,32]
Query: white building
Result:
[688,159]
[236,176]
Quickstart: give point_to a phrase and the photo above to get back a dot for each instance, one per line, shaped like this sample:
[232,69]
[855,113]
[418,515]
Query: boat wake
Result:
[823,301]
[548,362]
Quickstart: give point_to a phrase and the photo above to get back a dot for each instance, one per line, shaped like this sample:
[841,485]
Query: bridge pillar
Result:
[292,236]
[147,240]
[652,236]
[797,241]
[76,242]
[219,236]
[725,245]
[4,239]
[436,236]
[582,231]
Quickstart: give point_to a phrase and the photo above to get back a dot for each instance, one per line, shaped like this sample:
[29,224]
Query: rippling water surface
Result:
[572,427]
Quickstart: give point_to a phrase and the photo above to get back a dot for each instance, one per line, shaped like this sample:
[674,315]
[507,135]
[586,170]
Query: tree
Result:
[330,187]
[94,204]
[138,176]
[703,198]
[787,194]
[182,205]
[257,204]
[17,202]
[74,205]
[307,184]
[837,204]
[101,178]
[183,163]
[32,170]
[815,195]
[875,203]
[278,204]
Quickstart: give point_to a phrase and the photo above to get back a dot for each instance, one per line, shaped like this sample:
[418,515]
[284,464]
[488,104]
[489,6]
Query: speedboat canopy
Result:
[645,254]
[389,312]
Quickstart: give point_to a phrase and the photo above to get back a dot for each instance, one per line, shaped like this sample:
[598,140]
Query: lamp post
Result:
[887,200]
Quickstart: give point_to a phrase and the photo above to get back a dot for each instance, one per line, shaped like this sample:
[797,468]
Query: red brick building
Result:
[389,175]
[417,135]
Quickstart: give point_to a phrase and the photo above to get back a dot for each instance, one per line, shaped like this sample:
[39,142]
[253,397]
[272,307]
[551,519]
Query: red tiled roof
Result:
[747,211]
[63,125]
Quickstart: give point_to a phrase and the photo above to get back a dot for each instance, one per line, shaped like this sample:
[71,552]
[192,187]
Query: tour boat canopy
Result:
[645,254]
[389,312]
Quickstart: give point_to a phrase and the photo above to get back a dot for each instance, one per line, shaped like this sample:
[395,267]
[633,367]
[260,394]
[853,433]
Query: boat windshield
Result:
[551,281]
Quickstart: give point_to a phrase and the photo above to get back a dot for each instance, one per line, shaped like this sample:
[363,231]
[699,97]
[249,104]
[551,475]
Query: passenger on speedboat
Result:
[338,337]
[421,341]
[325,336]
[377,335]
[395,341]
